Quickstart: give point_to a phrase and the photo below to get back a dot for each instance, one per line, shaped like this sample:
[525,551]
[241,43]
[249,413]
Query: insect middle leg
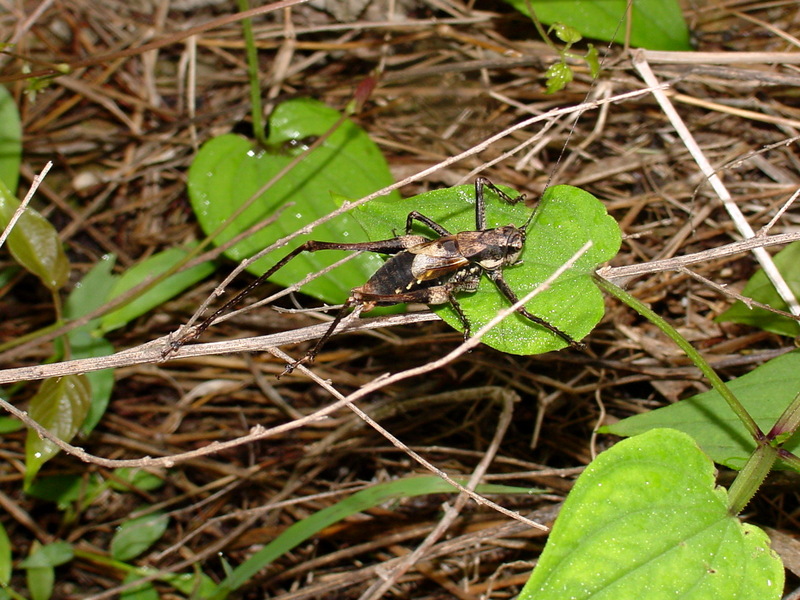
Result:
[433,225]
[480,203]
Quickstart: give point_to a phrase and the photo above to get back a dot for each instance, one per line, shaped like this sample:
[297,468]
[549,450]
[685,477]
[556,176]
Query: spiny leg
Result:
[390,246]
[480,203]
[312,354]
[463,317]
[506,290]
[433,225]
[440,294]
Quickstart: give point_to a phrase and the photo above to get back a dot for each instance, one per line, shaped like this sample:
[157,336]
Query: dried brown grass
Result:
[122,132]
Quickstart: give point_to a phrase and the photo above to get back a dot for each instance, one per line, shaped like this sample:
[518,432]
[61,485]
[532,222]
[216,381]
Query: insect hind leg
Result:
[389,246]
[312,354]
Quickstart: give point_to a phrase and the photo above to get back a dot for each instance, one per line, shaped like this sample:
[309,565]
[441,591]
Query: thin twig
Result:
[764,259]
[24,204]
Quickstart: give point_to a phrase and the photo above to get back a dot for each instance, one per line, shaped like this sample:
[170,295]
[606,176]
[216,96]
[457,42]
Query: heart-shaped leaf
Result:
[646,520]
[566,218]
[229,169]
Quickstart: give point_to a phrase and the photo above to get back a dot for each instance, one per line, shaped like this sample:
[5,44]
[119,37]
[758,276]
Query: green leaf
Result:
[89,294]
[60,406]
[49,555]
[228,170]
[558,76]
[761,289]
[765,392]
[164,290]
[10,140]
[34,242]
[568,35]
[143,591]
[137,535]
[646,520]
[593,61]
[5,556]
[656,25]
[565,219]
[91,291]
[40,567]
[10,425]
[193,585]
[358,502]
[134,478]
[61,489]
[65,490]
[40,582]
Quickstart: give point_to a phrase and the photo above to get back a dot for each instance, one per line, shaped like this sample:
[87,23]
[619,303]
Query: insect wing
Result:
[436,259]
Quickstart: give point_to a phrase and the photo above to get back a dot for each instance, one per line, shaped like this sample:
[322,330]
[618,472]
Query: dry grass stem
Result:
[694,153]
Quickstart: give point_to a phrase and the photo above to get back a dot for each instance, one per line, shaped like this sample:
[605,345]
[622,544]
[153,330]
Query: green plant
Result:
[565,219]
[228,176]
[560,74]
[760,289]
[655,24]
[75,403]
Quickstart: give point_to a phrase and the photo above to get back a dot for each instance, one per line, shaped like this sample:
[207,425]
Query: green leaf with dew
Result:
[566,218]
[558,75]
[230,169]
[647,520]
[60,406]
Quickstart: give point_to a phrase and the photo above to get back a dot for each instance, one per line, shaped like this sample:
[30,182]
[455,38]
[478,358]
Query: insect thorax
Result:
[493,248]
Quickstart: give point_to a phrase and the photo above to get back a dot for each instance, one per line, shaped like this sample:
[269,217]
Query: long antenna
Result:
[592,86]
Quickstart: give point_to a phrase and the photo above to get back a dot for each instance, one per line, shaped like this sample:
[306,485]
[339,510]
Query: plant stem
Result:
[691,352]
[252,73]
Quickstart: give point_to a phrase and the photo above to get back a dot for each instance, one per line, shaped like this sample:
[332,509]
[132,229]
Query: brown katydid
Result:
[428,270]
